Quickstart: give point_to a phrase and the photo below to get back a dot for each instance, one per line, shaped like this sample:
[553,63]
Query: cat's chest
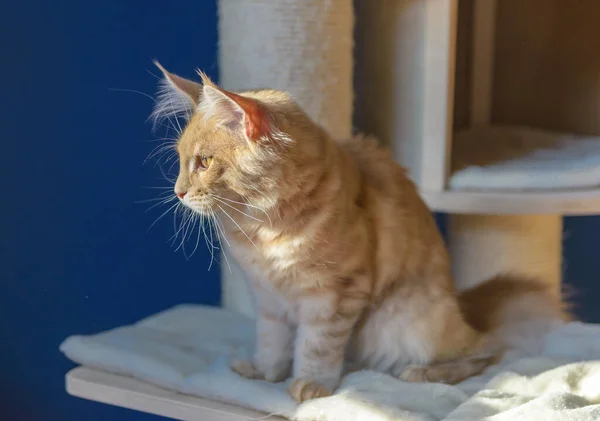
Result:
[275,252]
[275,263]
[280,270]
[281,252]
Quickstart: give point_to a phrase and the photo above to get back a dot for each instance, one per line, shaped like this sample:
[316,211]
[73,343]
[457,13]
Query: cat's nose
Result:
[180,195]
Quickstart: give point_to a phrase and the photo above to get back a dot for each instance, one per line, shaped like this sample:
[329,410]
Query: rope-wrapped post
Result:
[300,46]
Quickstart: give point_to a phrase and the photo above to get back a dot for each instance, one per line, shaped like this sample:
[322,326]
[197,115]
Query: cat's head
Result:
[234,146]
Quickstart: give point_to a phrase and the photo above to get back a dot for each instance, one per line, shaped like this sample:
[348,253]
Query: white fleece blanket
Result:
[187,349]
[522,158]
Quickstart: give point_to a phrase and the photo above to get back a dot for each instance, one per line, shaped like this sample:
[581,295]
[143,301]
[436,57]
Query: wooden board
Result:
[567,202]
[440,28]
[134,394]
[406,90]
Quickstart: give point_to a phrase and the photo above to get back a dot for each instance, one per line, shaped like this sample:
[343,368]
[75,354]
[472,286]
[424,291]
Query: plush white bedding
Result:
[522,158]
[556,377]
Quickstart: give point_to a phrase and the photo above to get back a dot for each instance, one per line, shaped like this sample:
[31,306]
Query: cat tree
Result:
[406,89]
[406,85]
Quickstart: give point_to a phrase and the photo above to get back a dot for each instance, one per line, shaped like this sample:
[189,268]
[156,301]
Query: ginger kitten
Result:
[344,258]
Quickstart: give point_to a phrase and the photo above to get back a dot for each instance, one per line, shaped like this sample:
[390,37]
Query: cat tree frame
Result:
[305,47]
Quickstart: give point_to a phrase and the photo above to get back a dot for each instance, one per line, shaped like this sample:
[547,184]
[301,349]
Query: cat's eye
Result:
[201,162]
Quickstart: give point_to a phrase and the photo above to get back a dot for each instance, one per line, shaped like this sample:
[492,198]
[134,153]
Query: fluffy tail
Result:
[507,312]
[517,312]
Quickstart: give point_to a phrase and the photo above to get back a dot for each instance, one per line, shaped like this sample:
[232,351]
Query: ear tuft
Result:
[206,81]
[177,97]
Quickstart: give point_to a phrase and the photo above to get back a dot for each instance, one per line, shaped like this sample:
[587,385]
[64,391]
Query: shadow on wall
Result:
[76,255]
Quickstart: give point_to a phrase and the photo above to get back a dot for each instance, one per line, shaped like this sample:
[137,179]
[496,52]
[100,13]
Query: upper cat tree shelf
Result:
[487,168]
[581,202]
[511,169]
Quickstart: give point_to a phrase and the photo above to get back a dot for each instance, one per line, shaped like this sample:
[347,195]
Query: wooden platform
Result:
[133,394]
[565,202]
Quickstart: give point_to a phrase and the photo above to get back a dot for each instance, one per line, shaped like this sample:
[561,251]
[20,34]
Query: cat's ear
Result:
[177,96]
[235,112]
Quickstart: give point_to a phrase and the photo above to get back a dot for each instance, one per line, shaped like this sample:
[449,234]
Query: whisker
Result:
[160,150]
[212,247]
[184,218]
[177,209]
[245,204]
[157,187]
[236,209]
[181,229]
[209,219]
[200,221]
[164,195]
[161,216]
[160,139]
[266,199]
[172,155]
[164,202]
[192,226]
[152,74]
[173,163]
[221,229]
[209,242]
[185,232]
[165,175]
[238,225]
[223,253]
[178,125]
[133,91]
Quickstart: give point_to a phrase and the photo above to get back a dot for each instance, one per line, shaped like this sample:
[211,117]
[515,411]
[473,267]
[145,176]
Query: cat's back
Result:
[404,229]
[380,173]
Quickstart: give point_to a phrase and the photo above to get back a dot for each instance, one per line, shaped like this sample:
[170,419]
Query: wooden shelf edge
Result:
[568,203]
[127,392]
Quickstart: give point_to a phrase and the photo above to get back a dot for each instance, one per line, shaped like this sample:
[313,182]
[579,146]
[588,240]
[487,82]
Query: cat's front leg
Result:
[321,340]
[274,346]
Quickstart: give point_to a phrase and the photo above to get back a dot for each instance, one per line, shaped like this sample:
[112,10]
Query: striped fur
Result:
[344,258]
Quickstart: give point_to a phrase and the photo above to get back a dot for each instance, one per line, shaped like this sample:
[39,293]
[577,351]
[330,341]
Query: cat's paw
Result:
[303,389]
[450,372]
[435,373]
[273,373]
[414,374]
[246,369]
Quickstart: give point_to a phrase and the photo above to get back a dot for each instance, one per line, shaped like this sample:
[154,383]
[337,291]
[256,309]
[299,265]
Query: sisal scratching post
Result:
[301,46]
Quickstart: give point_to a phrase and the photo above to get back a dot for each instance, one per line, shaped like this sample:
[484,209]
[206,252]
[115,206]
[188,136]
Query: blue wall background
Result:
[75,254]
